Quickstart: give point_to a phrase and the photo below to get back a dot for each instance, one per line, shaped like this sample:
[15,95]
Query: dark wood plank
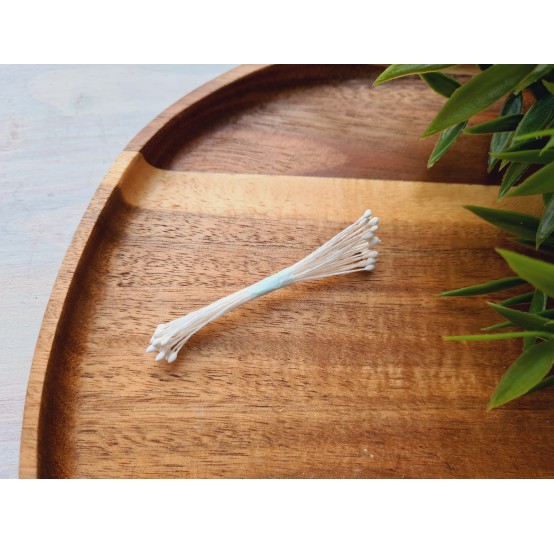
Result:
[311,120]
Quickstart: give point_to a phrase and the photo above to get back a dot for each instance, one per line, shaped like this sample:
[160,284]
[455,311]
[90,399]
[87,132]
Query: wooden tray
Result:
[341,378]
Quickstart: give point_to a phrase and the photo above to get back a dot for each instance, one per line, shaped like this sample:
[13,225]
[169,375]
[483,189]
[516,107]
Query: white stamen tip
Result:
[172,357]
[345,253]
[367,254]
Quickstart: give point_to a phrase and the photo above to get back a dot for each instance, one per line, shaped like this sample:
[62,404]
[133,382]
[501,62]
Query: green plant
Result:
[521,141]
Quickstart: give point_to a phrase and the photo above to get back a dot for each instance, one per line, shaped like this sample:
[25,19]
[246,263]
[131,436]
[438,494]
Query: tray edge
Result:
[138,147]
[29,446]
[28,455]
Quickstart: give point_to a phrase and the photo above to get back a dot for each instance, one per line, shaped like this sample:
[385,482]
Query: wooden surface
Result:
[61,127]
[310,120]
[346,377]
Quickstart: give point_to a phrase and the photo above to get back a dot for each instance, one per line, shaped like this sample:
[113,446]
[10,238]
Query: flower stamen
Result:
[347,252]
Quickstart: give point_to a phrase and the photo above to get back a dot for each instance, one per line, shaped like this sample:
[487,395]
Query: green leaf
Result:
[518,299]
[513,104]
[506,324]
[506,123]
[538,273]
[534,156]
[538,116]
[400,70]
[526,372]
[536,134]
[512,175]
[541,181]
[500,336]
[524,320]
[478,94]
[549,86]
[520,224]
[484,288]
[539,72]
[441,83]
[546,247]
[538,304]
[547,382]
[546,224]
[498,326]
[445,142]
[524,146]
[550,144]
[499,140]
[548,147]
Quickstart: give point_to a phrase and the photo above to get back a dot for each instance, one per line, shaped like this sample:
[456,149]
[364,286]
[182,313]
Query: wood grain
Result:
[322,120]
[346,377]
[61,127]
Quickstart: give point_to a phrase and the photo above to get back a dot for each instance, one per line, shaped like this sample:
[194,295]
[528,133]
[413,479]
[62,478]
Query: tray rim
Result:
[138,147]
[29,453]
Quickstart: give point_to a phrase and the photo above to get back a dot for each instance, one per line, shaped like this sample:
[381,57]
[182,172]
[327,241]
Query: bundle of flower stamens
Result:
[347,252]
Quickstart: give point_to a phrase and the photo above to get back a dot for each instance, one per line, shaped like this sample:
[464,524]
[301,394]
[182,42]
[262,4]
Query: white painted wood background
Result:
[60,129]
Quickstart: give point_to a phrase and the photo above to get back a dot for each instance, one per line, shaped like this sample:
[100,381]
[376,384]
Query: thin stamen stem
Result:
[347,252]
